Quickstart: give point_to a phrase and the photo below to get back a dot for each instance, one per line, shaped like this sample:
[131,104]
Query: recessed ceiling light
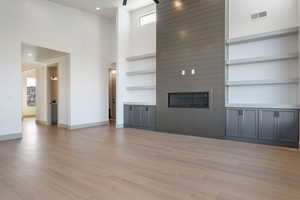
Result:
[178,4]
[98,8]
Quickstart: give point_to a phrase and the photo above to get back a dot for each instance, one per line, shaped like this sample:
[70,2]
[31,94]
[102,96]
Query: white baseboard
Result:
[63,126]
[80,126]
[120,126]
[89,125]
[14,136]
[42,122]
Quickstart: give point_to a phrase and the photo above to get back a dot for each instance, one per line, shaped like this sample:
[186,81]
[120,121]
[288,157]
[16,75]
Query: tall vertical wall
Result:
[190,35]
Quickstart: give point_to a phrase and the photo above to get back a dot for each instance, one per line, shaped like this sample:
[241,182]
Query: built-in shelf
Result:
[263,36]
[141,72]
[150,87]
[262,82]
[275,106]
[141,57]
[262,59]
[140,103]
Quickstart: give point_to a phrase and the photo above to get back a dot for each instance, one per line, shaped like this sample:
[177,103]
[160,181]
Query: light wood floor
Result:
[126,164]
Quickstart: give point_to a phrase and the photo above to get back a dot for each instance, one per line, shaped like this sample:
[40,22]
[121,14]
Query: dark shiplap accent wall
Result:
[191,37]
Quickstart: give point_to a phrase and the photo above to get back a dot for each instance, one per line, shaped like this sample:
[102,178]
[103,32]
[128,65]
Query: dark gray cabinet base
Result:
[265,126]
[140,116]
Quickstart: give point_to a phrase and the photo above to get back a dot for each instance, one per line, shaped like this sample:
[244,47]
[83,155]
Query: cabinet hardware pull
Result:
[241,112]
[276,114]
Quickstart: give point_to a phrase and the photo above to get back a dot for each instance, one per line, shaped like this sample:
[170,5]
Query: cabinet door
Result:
[248,124]
[232,122]
[128,115]
[268,125]
[137,116]
[149,117]
[152,118]
[288,126]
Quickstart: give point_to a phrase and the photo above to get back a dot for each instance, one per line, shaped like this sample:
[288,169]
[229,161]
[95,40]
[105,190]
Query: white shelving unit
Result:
[271,106]
[140,103]
[263,59]
[148,87]
[141,57]
[263,36]
[141,72]
[262,70]
[262,82]
[141,79]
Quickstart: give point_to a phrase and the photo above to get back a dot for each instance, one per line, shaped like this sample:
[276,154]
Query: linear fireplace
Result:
[189,100]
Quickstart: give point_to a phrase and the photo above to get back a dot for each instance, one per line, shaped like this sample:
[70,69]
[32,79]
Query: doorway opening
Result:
[29,90]
[45,85]
[112,96]
[53,78]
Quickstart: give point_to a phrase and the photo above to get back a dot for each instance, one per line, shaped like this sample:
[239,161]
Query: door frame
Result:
[110,69]
[49,113]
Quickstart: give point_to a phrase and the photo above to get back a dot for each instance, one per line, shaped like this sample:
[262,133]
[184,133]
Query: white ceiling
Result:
[108,7]
[33,56]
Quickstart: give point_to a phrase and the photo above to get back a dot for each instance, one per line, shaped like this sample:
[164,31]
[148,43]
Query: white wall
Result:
[42,23]
[298,18]
[133,40]
[63,90]
[143,38]
[42,95]
[281,14]
[26,110]
[142,41]
[123,47]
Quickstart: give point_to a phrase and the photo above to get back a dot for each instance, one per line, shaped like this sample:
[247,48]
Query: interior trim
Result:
[89,125]
[14,136]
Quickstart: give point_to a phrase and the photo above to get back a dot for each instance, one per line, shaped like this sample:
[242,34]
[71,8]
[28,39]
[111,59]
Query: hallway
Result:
[106,163]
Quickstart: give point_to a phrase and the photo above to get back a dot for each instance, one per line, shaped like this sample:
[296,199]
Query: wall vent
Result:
[259,15]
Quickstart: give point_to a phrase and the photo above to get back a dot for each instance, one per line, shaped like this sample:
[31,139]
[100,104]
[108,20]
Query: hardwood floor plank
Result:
[125,164]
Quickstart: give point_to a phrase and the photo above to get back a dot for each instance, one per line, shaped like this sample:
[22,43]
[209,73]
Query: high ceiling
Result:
[107,7]
[33,56]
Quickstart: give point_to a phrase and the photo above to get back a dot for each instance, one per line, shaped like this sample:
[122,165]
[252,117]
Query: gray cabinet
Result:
[288,126]
[279,127]
[137,116]
[148,117]
[140,116]
[54,113]
[128,116]
[266,126]
[249,122]
[232,123]
[241,123]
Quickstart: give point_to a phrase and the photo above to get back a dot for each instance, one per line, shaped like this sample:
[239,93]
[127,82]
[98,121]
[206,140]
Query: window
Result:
[148,19]
[31,92]
[31,82]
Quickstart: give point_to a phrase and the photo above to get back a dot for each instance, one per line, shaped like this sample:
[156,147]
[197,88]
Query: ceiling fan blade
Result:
[156,1]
